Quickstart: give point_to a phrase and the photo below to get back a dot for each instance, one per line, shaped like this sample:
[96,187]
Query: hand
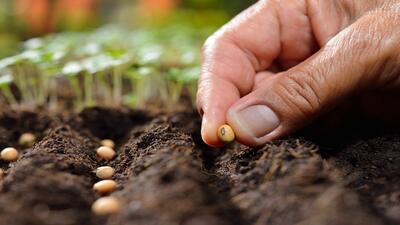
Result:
[328,51]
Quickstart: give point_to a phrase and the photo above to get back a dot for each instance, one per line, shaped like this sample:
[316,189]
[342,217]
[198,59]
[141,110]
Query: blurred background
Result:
[24,19]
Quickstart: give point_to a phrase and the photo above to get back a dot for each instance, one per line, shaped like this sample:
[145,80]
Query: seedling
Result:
[108,66]
[149,84]
[106,206]
[27,139]
[71,70]
[105,186]
[180,78]
[1,173]
[6,81]
[225,133]
[105,172]
[9,154]
[105,153]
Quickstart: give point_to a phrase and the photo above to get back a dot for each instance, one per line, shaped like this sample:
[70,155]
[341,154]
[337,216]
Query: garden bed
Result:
[166,175]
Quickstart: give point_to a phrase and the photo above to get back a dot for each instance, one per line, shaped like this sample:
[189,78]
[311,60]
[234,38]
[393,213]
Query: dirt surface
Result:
[166,175]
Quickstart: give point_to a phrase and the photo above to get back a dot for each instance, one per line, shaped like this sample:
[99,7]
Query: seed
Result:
[105,152]
[27,139]
[108,143]
[105,172]
[105,186]
[225,133]
[9,154]
[106,206]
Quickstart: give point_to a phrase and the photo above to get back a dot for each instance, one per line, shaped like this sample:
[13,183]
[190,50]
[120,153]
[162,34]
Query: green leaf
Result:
[34,43]
[6,80]
[6,62]
[72,69]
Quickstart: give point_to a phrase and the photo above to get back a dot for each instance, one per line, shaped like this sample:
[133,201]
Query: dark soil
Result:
[166,175]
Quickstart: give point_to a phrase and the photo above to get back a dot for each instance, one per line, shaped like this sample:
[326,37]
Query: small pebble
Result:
[105,152]
[27,139]
[106,206]
[108,143]
[105,186]
[225,133]
[9,154]
[105,172]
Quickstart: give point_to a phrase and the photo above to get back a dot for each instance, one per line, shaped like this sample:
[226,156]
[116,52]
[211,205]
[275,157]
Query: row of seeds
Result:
[106,205]
[102,206]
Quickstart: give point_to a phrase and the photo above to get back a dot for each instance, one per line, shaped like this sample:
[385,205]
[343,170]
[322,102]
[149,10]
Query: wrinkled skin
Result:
[295,61]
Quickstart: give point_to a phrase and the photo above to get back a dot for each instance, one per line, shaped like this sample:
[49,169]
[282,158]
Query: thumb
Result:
[289,100]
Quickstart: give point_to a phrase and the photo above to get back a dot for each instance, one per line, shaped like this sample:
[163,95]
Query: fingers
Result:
[246,45]
[231,58]
[351,62]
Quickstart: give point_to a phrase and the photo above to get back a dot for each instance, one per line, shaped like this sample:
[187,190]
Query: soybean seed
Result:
[9,154]
[105,186]
[27,139]
[108,143]
[105,172]
[105,152]
[225,133]
[106,206]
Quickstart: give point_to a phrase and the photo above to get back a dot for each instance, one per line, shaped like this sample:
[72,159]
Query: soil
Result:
[167,176]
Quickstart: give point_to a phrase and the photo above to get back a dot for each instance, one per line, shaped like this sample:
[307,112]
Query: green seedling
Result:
[71,71]
[148,84]
[109,66]
[180,79]
[6,81]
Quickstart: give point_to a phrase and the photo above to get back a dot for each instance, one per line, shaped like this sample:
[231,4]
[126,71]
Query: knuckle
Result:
[301,91]
[215,41]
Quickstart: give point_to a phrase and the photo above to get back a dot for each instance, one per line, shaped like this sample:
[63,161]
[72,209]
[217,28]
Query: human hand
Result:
[328,51]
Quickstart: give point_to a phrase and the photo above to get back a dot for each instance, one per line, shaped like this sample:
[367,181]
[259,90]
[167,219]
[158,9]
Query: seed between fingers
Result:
[225,133]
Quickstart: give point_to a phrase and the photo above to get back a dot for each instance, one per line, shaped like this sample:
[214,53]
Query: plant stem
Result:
[88,83]
[74,82]
[9,95]
[117,80]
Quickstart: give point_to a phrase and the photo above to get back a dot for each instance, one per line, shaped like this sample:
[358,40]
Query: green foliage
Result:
[108,66]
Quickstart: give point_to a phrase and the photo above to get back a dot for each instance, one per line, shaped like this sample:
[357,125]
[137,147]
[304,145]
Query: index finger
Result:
[231,58]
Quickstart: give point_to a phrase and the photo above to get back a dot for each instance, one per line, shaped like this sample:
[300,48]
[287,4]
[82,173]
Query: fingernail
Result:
[258,120]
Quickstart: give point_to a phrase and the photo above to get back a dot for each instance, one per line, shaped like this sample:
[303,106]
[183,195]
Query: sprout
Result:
[34,43]
[149,84]
[149,54]
[5,86]
[159,63]
[71,70]
[180,78]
